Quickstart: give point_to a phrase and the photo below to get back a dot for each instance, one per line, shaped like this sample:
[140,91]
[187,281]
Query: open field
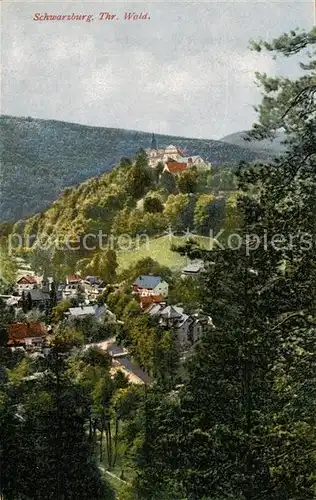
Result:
[159,249]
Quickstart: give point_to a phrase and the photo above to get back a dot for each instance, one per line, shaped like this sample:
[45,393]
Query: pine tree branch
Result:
[297,98]
[293,315]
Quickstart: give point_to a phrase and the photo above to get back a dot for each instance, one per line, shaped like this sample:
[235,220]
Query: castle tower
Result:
[154,144]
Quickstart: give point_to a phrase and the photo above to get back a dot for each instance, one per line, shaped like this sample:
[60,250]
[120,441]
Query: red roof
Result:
[176,167]
[18,332]
[74,278]
[147,300]
[30,280]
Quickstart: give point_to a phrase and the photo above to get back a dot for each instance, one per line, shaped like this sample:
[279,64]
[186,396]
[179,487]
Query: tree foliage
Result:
[47,449]
[243,425]
[153,205]
[187,181]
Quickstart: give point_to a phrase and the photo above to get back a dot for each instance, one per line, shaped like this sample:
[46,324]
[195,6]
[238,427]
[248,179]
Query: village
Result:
[83,297]
[34,298]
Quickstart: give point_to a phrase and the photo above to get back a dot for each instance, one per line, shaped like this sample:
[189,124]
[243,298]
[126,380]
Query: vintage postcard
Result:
[157,250]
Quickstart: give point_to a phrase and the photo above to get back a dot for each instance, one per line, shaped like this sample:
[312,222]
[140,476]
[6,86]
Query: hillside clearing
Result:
[159,249]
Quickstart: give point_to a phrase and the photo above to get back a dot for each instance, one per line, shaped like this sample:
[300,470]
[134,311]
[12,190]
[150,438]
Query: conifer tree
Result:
[243,426]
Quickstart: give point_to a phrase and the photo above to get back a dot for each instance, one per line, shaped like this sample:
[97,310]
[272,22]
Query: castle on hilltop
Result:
[173,158]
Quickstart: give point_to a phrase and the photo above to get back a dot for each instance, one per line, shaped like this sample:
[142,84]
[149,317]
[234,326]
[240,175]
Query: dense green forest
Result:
[242,425]
[46,407]
[41,157]
[131,200]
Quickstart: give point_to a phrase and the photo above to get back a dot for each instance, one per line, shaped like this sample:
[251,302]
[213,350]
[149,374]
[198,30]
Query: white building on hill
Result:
[173,154]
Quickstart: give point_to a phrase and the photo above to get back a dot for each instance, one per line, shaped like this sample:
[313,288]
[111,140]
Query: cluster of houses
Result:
[149,287]
[36,293]
[88,288]
[173,159]
[152,293]
[75,286]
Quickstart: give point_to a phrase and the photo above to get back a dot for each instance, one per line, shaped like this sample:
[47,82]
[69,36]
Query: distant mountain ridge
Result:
[274,146]
[39,158]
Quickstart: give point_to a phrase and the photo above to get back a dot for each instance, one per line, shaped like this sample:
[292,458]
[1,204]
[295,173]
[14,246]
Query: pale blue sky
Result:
[186,71]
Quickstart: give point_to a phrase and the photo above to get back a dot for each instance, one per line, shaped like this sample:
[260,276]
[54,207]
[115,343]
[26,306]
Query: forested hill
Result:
[41,157]
[134,199]
[275,145]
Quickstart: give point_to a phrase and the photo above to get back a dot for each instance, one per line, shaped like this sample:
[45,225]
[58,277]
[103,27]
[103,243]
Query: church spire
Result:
[153,142]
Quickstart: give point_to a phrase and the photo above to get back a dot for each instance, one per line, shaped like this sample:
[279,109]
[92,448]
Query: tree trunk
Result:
[59,443]
[90,429]
[94,429]
[101,446]
[115,441]
[110,444]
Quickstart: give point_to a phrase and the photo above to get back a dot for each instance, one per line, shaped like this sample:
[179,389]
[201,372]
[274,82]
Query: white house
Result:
[188,328]
[195,161]
[26,283]
[91,291]
[84,311]
[173,153]
[154,156]
[146,285]
[68,292]
[193,269]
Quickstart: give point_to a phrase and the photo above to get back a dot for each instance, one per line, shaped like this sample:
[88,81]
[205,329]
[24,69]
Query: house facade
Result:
[73,279]
[188,328]
[69,291]
[175,167]
[84,311]
[38,298]
[26,283]
[196,161]
[92,289]
[27,335]
[146,285]
[173,158]
[155,156]
[147,300]
[193,269]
